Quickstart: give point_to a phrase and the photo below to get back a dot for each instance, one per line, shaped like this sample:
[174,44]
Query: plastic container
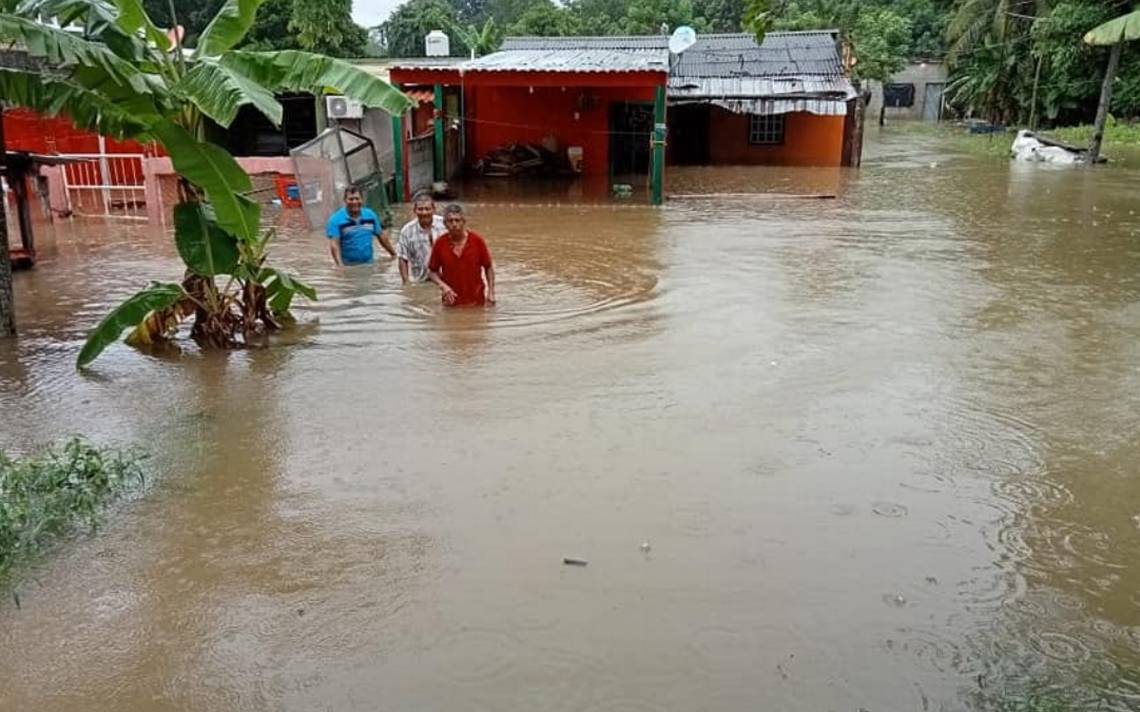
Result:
[575,154]
[288,192]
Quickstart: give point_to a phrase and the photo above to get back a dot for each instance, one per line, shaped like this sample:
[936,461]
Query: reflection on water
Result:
[883,447]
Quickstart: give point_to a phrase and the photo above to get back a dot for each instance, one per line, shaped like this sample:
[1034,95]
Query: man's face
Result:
[455,223]
[353,201]
[424,210]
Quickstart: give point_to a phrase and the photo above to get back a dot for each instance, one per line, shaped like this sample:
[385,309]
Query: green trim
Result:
[439,155]
[657,168]
[398,155]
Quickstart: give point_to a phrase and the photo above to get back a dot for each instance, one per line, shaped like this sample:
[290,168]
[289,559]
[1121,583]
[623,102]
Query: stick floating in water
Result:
[570,561]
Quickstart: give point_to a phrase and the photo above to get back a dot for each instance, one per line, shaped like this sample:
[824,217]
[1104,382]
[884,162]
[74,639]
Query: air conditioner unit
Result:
[341,107]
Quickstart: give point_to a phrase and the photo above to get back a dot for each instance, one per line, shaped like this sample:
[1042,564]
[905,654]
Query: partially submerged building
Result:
[726,100]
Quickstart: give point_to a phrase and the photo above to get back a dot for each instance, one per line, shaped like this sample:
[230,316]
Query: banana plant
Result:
[115,72]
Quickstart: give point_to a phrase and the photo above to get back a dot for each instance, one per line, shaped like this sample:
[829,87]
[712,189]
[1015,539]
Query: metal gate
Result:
[108,185]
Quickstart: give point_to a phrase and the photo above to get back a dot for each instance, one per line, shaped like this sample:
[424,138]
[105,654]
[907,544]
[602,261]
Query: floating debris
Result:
[570,561]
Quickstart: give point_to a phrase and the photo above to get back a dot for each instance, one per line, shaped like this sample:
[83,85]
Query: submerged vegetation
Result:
[47,495]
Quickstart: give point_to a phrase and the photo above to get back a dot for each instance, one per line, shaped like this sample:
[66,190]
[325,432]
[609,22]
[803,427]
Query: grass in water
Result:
[52,493]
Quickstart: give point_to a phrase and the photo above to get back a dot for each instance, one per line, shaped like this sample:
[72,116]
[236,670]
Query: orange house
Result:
[785,102]
[596,105]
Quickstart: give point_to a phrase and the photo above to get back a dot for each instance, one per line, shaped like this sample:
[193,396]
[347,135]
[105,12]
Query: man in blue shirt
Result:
[350,231]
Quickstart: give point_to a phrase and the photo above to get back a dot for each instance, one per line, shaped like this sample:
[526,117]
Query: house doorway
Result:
[631,127]
[689,139]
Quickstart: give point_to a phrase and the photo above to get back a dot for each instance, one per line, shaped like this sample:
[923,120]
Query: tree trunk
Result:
[7,315]
[1105,102]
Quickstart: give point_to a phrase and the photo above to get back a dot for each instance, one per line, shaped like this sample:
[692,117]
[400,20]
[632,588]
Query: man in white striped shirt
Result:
[417,237]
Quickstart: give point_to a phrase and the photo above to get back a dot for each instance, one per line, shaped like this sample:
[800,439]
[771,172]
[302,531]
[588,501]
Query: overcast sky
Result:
[370,13]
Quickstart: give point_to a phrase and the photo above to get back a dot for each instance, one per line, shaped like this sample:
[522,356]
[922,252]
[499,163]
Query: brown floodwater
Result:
[884,448]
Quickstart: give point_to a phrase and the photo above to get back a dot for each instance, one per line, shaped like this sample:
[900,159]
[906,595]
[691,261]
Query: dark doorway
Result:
[689,134]
[251,134]
[631,127]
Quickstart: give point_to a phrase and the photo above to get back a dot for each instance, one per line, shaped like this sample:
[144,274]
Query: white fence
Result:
[109,185]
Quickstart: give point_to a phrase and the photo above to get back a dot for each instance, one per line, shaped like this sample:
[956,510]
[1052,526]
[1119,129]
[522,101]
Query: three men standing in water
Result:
[429,248]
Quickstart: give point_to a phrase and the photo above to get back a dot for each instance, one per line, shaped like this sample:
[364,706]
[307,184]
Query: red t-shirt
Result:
[462,272]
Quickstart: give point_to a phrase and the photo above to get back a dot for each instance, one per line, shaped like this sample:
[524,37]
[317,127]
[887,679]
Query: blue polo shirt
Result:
[355,235]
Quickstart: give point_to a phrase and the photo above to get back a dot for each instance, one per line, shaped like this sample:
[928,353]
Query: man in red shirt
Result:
[458,261]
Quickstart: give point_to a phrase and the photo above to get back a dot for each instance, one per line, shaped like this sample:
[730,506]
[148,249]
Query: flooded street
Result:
[883,448]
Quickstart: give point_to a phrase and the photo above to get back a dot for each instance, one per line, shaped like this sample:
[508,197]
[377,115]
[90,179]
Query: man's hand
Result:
[334,250]
[386,243]
[491,297]
[449,295]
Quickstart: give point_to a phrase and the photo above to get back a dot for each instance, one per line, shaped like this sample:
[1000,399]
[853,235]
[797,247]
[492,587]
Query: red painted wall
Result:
[513,114]
[26,130]
[809,140]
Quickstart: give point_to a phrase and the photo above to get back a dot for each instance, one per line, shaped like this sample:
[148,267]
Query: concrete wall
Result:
[809,140]
[920,75]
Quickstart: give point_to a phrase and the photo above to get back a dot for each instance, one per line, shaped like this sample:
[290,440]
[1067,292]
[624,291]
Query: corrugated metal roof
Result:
[781,55]
[813,53]
[619,42]
[571,60]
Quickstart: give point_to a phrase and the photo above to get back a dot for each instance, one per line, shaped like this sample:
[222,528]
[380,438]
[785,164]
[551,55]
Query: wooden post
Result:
[657,168]
[18,182]
[7,315]
[1105,101]
[440,153]
[1033,102]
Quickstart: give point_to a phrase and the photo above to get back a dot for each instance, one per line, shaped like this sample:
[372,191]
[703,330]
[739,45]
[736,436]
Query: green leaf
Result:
[62,48]
[219,92]
[282,287]
[203,246]
[126,315]
[52,96]
[99,20]
[216,172]
[228,27]
[1122,29]
[293,70]
[132,17]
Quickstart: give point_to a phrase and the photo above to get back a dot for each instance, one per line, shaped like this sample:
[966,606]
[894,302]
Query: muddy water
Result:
[883,448]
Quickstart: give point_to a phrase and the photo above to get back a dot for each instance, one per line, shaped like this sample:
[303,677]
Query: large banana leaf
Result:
[53,96]
[99,20]
[133,17]
[216,172]
[293,70]
[59,47]
[203,246]
[220,91]
[1122,29]
[227,28]
[129,313]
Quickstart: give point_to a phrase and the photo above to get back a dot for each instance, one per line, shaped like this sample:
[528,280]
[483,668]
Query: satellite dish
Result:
[683,38]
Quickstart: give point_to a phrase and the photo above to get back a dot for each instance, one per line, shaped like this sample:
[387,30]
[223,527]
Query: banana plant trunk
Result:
[1105,102]
[7,306]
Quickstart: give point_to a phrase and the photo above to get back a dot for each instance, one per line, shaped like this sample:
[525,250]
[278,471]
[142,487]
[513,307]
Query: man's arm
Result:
[334,250]
[404,270]
[386,243]
[448,293]
[490,271]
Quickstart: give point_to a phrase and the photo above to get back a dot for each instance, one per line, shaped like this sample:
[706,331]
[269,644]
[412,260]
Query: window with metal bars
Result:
[766,129]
